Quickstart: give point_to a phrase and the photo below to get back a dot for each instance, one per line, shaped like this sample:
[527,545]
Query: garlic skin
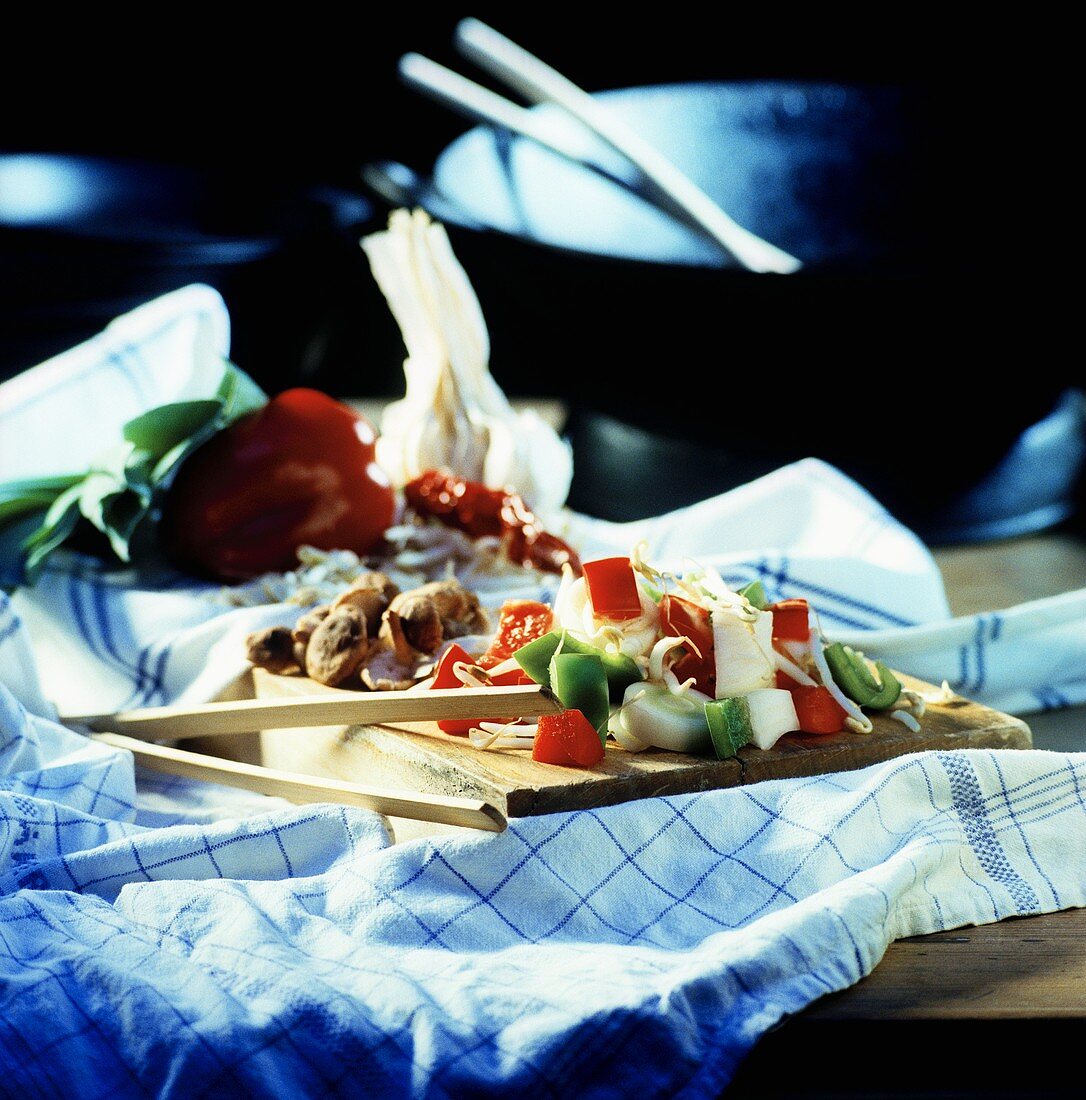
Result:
[454,415]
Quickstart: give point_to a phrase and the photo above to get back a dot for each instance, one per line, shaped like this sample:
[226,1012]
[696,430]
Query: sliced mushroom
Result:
[419,620]
[338,647]
[371,593]
[271,648]
[385,672]
[458,608]
[391,637]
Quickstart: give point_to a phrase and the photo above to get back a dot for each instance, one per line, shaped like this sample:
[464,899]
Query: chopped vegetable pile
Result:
[682,663]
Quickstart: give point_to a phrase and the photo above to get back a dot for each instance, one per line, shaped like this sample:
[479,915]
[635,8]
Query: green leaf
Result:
[56,485]
[18,498]
[105,479]
[123,514]
[161,429]
[118,492]
[57,526]
[239,394]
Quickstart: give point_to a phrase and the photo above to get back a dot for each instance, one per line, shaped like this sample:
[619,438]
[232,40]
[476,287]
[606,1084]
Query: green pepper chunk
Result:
[755,595]
[854,678]
[579,681]
[535,660]
[891,688]
[729,725]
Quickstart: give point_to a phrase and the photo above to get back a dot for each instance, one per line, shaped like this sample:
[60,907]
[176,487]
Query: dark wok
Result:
[687,375]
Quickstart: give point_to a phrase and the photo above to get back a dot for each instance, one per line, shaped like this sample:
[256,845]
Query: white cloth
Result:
[174,939]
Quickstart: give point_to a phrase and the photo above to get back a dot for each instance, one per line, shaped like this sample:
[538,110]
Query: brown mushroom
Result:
[419,621]
[338,647]
[457,607]
[304,627]
[271,648]
[371,593]
[303,631]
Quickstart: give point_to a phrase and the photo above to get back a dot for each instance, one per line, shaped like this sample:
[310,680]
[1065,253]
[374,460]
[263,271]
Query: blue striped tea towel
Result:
[167,938]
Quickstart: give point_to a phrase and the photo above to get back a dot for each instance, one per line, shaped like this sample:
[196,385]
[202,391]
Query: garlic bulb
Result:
[454,415]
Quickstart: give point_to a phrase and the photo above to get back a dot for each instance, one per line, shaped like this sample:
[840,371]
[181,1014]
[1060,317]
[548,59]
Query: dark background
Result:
[317,94]
[276,105]
[280,103]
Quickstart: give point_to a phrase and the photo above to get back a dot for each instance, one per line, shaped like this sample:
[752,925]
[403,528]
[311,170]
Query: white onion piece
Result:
[616,727]
[633,637]
[797,651]
[653,715]
[569,606]
[745,657]
[503,735]
[772,715]
[856,720]
[944,694]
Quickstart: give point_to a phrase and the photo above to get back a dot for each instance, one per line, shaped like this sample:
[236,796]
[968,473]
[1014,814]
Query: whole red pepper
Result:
[478,511]
[299,471]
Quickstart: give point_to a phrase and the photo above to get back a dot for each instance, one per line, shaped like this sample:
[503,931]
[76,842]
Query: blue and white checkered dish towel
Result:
[177,939]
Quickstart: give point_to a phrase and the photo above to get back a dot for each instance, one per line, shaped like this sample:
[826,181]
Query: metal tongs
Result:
[653,176]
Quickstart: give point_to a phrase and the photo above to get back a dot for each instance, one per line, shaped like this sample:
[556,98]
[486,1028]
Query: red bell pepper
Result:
[817,710]
[612,588]
[683,619]
[299,471]
[791,621]
[567,738]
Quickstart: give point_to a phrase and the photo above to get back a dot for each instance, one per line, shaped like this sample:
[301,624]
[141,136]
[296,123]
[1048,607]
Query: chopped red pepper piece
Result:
[817,710]
[567,738]
[683,619]
[791,621]
[612,588]
[519,622]
[444,677]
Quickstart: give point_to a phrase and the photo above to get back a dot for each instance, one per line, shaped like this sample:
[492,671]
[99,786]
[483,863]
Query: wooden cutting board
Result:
[420,757]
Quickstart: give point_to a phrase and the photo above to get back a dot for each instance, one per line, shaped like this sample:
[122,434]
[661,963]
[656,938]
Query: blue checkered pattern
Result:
[159,937]
[607,953]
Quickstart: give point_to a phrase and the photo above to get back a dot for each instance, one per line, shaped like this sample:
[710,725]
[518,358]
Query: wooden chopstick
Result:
[295,787]
[345,708]
[473,101]
[669,187]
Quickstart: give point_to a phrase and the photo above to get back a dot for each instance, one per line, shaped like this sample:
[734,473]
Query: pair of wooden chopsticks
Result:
[134,729]
[658,179]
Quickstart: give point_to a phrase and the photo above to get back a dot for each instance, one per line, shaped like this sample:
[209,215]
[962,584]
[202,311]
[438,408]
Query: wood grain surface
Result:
[420,757]
[1024,968]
